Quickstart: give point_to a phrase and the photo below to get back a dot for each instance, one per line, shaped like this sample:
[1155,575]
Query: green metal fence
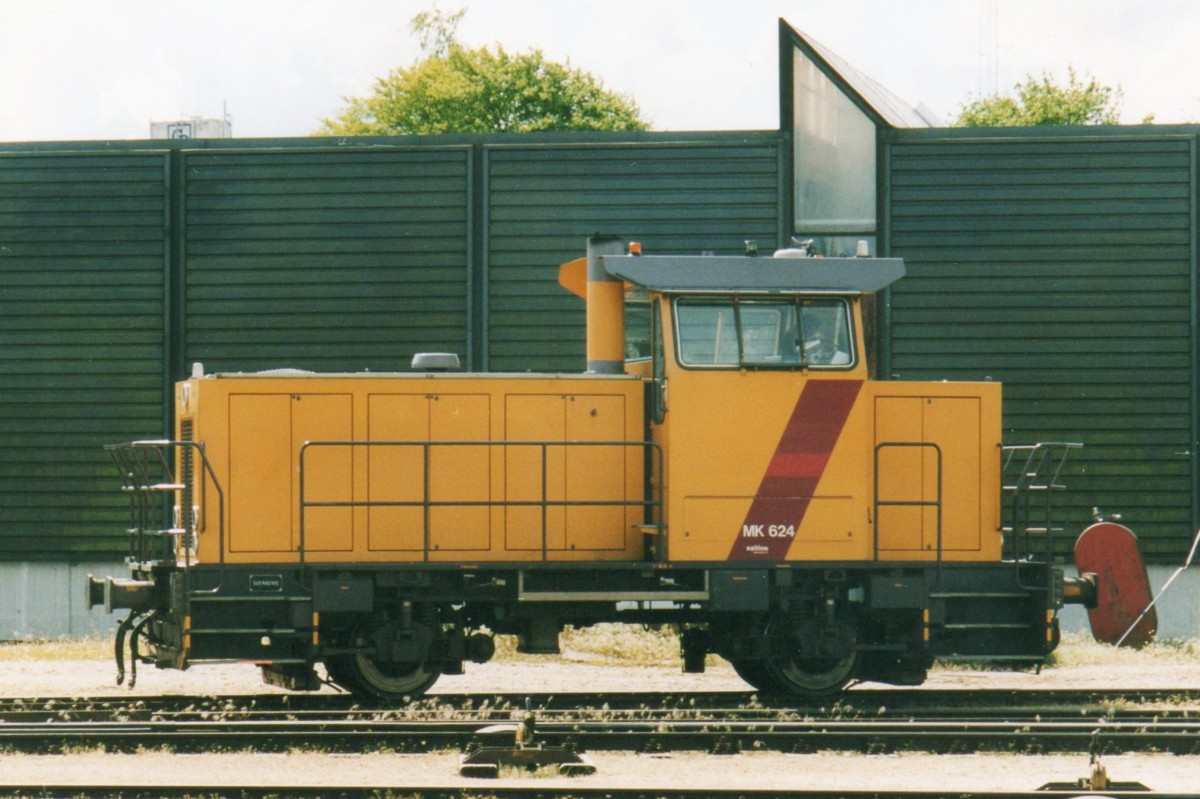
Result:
[121,263]
[1063,264]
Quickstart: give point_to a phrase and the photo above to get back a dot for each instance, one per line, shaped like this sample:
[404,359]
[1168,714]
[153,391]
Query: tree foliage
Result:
[1044,102]
[456,89]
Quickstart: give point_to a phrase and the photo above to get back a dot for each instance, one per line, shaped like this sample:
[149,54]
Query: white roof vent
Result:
[436,362]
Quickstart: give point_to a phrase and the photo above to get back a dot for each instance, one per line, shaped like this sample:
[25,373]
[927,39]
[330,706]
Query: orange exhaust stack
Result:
[605,309]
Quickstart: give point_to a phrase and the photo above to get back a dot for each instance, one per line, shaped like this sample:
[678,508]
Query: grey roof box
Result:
[436,362]
[710,274]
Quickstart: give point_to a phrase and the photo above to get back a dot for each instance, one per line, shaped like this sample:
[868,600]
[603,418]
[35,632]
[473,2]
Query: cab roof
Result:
[712,274]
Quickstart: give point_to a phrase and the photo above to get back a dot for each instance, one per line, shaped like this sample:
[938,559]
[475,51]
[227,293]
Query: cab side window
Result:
[735,332]
[637,323]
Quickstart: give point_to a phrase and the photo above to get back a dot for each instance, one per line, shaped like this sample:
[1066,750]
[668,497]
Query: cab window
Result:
[637,323]
[799,332]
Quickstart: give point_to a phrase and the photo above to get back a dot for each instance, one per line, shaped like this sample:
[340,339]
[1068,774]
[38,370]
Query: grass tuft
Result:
[616,644]
[633,645]
[1080,649]
[92,648]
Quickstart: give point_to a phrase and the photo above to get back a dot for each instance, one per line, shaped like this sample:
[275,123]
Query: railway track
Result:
[967,703]
[1041,721]
[715,735]
[526,792]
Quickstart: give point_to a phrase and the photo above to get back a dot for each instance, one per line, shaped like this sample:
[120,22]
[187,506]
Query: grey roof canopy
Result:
[740,273]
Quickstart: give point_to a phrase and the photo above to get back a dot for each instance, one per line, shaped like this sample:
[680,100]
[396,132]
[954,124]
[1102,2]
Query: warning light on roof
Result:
[635,248]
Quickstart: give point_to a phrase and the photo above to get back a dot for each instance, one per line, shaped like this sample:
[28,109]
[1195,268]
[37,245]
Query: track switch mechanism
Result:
[517,745]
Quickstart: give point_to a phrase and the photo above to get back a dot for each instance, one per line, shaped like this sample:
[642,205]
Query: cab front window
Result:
[738,332]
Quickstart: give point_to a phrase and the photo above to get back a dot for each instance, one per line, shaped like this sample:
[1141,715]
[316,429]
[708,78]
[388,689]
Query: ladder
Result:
[1032,475]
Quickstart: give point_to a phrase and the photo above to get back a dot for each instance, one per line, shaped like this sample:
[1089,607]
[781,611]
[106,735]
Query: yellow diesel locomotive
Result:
[726,465]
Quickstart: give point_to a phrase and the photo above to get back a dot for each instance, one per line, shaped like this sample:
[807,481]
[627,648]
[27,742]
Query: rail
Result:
[651,503]
[1032,475]
[719,731]
[156,494]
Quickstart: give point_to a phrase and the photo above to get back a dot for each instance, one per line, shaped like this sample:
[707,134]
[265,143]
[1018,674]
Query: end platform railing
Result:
[1032,475]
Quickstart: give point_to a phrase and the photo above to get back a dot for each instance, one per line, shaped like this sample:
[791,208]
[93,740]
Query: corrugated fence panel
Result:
[674,197]
[82,254]
[330,260]
[1062,267]
[121,263]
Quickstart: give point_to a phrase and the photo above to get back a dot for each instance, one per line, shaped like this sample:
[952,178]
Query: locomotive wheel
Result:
[812,676]
[340,673]
[814,673]
[366,675]
[758,675]
[390,682]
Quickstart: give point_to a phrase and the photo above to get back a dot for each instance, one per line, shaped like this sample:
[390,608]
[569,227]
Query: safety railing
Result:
[1032,475]
[650,501]
[163,522]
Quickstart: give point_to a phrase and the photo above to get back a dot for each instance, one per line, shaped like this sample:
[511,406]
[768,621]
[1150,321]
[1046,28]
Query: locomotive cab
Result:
[778,444]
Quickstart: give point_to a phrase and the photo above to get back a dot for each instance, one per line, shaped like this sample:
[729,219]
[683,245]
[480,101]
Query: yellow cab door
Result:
[763,429]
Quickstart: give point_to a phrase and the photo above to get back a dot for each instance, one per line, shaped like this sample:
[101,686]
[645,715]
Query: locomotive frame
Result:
[748,482]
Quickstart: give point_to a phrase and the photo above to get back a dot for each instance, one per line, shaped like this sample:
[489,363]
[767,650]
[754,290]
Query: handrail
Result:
[1039,472]
[653,505]
[137,467]
[934,503]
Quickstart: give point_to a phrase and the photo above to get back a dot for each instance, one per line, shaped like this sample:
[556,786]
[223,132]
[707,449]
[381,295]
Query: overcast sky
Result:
[92,69]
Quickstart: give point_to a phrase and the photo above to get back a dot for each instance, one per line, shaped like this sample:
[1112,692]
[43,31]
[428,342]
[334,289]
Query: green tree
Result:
[1044,102]
[456,89]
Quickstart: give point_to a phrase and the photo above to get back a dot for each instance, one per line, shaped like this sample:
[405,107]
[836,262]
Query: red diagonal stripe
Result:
[798,464]
[792,475]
